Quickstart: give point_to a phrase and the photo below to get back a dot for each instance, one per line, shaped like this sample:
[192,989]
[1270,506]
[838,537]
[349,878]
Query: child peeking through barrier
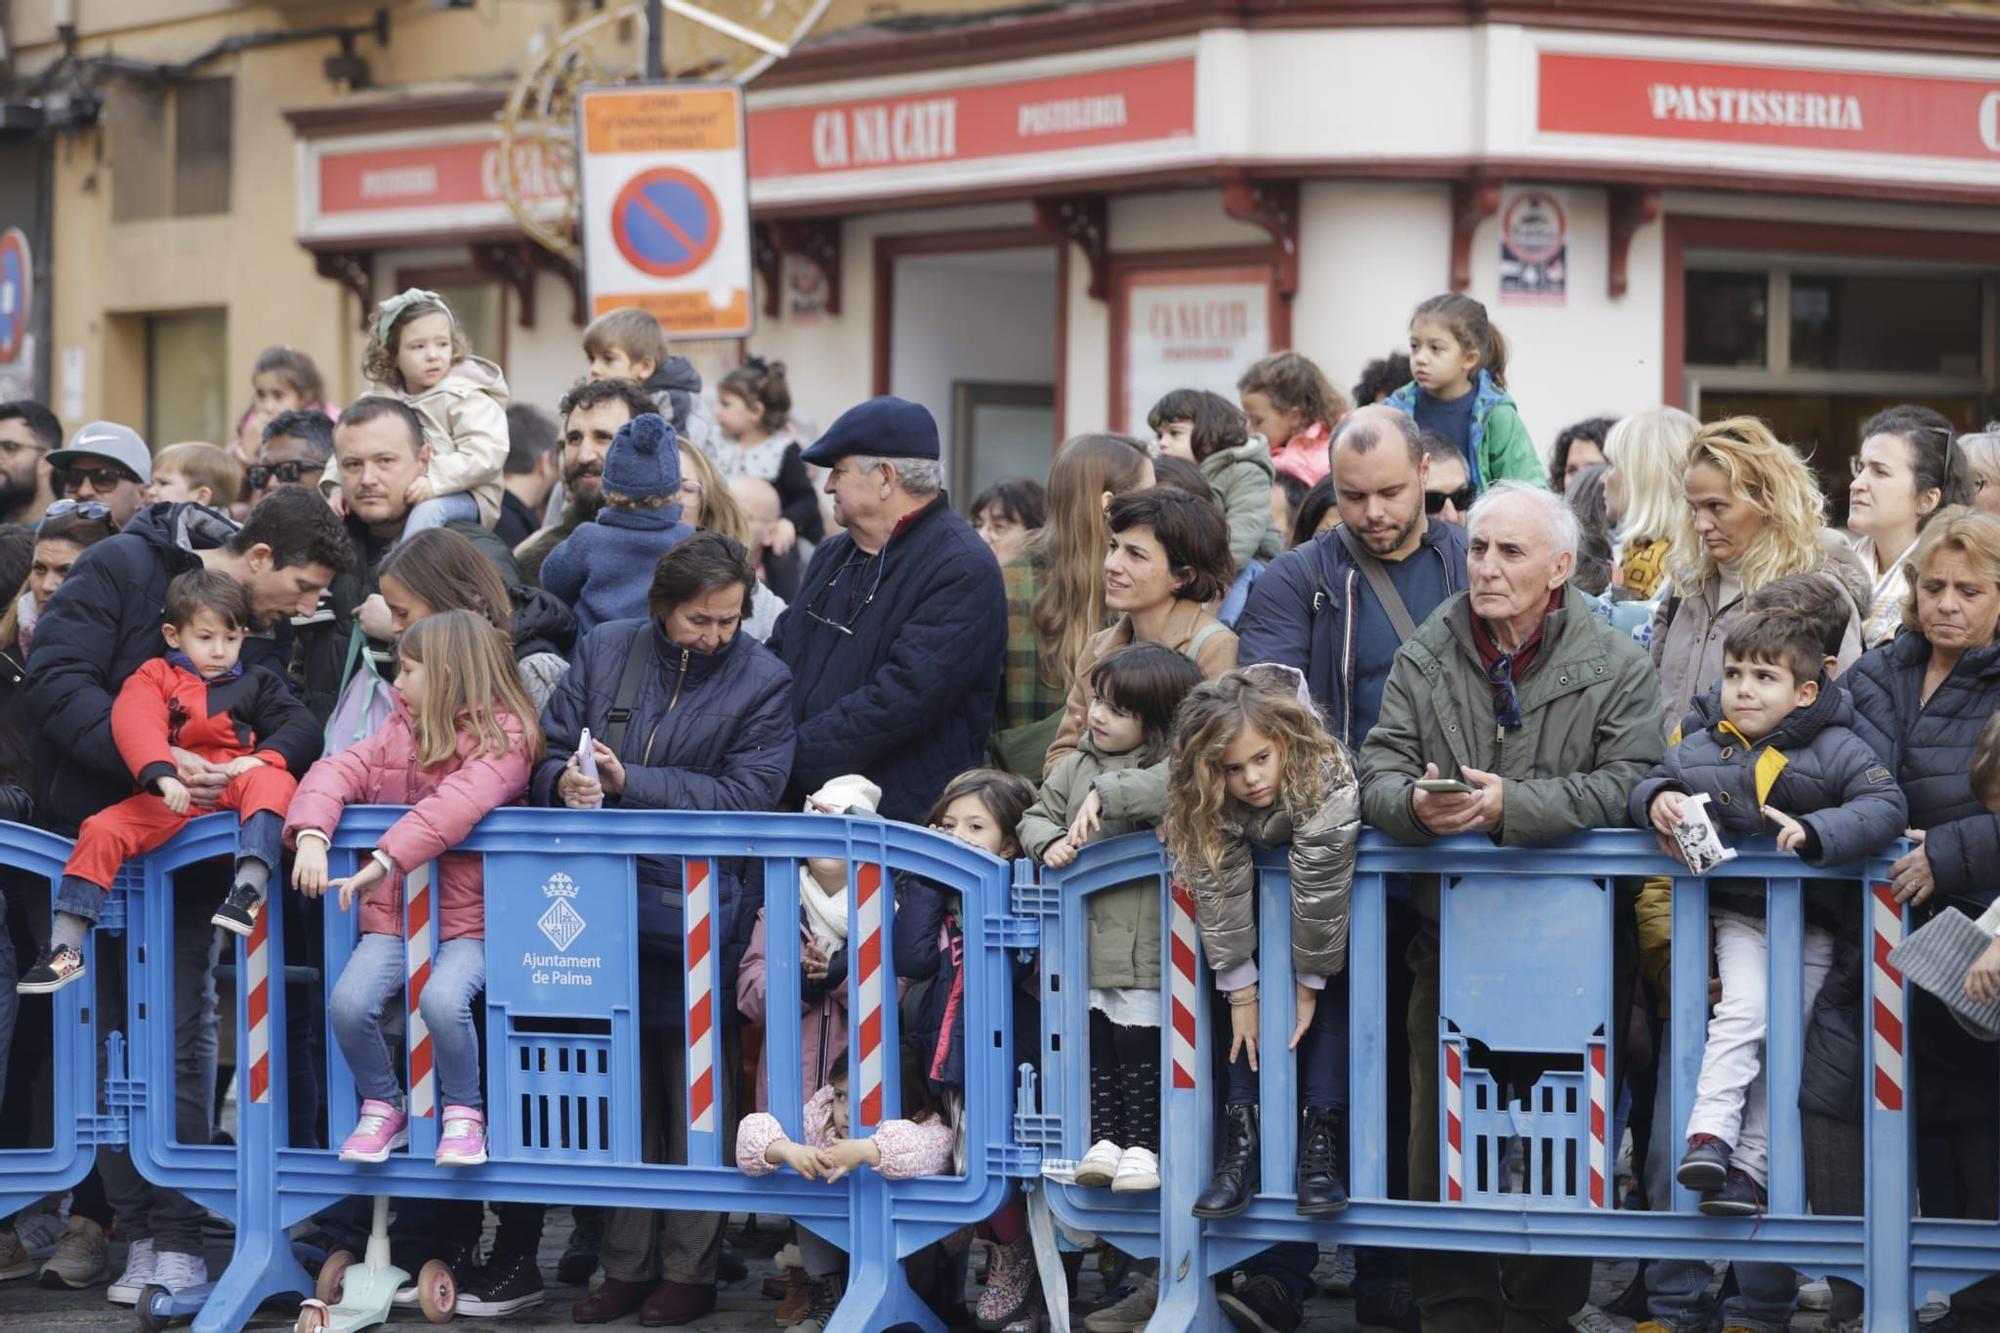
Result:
[1252,767]
[918,1144]
[460,742]
[200,699]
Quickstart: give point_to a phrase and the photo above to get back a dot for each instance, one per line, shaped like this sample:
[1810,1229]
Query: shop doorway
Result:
[974,335]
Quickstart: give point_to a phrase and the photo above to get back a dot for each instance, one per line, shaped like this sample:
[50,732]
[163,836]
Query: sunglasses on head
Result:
[288,473]
[1461,499]
[88,510]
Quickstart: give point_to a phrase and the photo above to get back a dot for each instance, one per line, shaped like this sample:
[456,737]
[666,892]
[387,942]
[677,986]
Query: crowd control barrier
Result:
[1526,966]
[565,989]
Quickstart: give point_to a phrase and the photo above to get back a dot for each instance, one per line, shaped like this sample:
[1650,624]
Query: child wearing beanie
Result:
[604,568]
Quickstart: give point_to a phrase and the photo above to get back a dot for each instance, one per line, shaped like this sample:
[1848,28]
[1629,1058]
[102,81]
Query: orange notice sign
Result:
[658,120]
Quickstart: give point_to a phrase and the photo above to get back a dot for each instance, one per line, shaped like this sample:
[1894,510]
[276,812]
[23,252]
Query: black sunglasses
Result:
[287,472]
[1461,498]
[101,479]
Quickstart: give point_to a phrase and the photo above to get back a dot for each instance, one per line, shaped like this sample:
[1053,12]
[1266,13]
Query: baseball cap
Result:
[107,440]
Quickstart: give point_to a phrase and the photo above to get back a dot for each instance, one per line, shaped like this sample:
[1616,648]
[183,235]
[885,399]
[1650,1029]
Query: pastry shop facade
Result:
[1036,224]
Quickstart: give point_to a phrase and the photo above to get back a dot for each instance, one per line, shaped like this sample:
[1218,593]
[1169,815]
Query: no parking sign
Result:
[16,291]
[666,206]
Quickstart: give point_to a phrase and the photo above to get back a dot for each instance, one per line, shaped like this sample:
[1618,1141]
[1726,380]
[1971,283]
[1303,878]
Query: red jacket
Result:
[162,705]
[446,800]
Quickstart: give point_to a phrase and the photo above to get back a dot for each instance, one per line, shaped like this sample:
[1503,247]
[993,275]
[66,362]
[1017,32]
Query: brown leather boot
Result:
[798,1297]
[676,1303]
[614,1299]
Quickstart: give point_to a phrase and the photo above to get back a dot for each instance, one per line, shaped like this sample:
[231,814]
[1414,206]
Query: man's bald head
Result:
[1365,428]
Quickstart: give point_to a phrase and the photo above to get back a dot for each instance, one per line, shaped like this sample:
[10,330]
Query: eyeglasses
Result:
[101,479]
[855,561]
[1506,699]
[287,472]
[1461,499]
[88,510]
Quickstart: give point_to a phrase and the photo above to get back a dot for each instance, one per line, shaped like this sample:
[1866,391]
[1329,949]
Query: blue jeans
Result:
[1677,1289]
[372,979]
[437,511]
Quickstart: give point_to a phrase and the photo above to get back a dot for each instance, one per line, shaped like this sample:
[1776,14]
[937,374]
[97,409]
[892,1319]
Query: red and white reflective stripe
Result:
[699,902]
[417,958]
[868,976]
[1454,1124]
[257,963]
[1182,987]
[1599,1158]
[1888,1026]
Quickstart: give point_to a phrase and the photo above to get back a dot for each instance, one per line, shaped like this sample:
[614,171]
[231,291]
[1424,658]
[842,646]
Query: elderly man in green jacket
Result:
[1552,717]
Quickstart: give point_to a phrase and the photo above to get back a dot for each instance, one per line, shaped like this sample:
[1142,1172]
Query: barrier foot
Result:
[1187,1298]
[263,1267]
[878,1293]
[1048,1260]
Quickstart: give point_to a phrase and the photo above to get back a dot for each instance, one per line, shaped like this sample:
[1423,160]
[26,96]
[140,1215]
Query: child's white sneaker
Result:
[1099,1166]
[1138,1171]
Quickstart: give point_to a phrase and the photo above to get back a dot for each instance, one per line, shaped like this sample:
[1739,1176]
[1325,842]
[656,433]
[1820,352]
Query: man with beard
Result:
[379,446]
[108,464]
[29,433]
[1320,608]
[591,412]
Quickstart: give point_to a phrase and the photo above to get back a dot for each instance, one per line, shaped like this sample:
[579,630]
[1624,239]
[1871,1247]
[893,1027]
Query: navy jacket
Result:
[1313,605]
[708,732]
[100,625]
[1929,748]
[907,697]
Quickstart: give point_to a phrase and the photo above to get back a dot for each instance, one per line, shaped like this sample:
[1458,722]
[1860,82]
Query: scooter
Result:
[159,1308]
[350,1296]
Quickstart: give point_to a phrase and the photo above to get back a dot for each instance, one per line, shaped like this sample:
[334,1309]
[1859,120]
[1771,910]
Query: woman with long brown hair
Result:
[1055,594]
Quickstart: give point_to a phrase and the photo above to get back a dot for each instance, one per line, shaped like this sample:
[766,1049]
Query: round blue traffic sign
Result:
[666,222]
[16,291]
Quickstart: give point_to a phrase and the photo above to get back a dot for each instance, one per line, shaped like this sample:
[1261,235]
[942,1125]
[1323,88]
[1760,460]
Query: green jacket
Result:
[1500,444]
[1241,479]
[1590,708]
[1124,921]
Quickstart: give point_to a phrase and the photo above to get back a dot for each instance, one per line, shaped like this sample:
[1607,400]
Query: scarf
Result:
[825,913]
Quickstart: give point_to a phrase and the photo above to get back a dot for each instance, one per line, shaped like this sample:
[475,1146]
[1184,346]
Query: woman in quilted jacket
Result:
[461,743]
[1252,767]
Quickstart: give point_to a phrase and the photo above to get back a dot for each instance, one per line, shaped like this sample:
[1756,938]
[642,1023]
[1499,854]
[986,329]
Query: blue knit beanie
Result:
[644,462]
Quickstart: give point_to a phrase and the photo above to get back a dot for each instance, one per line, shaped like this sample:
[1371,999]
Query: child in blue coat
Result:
[604,568]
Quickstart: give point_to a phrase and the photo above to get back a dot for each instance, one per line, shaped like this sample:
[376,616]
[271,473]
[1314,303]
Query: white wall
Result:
[988,317]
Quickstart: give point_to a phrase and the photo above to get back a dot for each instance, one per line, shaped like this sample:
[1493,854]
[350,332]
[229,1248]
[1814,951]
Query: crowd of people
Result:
[1280,619]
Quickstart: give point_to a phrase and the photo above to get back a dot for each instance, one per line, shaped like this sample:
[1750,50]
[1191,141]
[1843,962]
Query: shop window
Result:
[1727,318]
[187,377]
[1920,325]
[172,148]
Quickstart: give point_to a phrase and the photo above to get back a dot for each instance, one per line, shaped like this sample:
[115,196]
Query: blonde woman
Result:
[1981,454]
[1752,512]
[1647,452]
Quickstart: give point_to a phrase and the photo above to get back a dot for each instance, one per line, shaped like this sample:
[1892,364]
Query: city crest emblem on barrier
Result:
[562,923]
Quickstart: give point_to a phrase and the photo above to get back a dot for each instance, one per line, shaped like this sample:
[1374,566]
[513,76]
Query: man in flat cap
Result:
[896,636]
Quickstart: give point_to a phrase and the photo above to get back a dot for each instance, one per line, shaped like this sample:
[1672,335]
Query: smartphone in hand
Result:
[586,756]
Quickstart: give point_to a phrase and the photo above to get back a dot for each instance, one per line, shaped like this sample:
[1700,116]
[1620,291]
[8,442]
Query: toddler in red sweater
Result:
[198,699]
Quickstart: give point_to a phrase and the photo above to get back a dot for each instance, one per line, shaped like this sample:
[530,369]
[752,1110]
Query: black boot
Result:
[1235,1180]
[1321,1183]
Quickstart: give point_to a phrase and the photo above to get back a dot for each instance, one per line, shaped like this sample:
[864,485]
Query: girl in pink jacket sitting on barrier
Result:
[461,743]
[919,1144]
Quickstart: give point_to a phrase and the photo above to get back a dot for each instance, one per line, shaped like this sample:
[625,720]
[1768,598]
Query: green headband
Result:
[387,313]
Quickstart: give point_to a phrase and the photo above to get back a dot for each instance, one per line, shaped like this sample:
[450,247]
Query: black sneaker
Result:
[55,967]
[505,1284]
[1260,1305]
[238,912]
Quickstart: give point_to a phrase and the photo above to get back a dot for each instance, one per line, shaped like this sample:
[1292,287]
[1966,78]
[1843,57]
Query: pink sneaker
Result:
[462,1141]
[381,1130]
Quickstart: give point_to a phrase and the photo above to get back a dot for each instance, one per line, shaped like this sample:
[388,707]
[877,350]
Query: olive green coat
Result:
[1124,921]
[1590,708]
[1242,479]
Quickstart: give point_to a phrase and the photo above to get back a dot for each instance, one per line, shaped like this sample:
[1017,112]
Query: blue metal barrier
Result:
[562,894]
[1526,966]
[77,1128]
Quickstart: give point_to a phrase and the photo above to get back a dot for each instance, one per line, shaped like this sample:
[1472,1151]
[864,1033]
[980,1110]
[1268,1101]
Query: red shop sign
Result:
[368,180]
[1136,104]
[1837,110]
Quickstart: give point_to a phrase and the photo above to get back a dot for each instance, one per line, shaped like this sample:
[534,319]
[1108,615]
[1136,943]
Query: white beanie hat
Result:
[849,793]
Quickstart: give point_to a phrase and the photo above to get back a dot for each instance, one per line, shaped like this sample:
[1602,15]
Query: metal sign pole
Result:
[654,18]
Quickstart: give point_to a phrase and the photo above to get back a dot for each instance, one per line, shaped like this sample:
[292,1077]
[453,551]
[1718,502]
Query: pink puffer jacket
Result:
[446,800]
[908,1147]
